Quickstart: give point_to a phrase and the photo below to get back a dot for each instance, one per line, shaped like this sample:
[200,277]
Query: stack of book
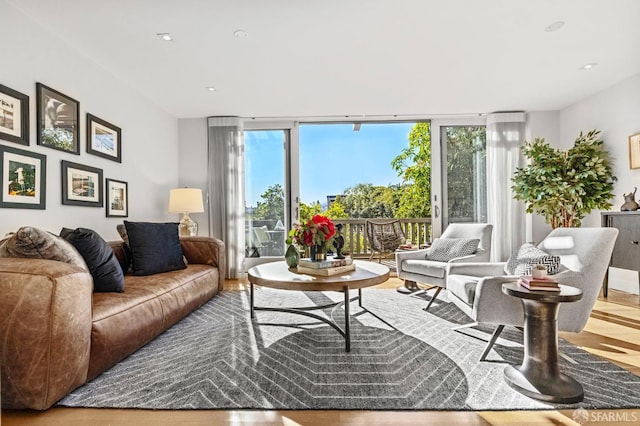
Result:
[538,284]
[328,267]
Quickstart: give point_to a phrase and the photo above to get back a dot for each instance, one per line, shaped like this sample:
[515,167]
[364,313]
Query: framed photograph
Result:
[24,176]
[634,151]
[103,139]
[58,119]
[117,198]
[14,116]
[81,185]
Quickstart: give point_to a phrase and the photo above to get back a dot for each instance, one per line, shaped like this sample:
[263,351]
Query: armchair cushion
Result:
[523,259]
[463,287]
[424,267]
[446,249]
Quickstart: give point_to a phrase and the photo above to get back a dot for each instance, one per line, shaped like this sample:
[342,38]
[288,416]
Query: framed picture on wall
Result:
[117,198]
[58,118]
[81,185]
[23,179]
[14,116]
[103,139]
[634,151]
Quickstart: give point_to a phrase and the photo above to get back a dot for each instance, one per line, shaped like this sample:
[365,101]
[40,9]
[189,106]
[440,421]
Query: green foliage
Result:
[466,153]
[367,200]
[273,205]
[413,165]
[565,186]
[307,211]
[337,211]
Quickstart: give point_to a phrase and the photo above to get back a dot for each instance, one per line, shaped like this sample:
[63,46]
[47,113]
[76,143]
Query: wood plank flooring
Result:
[613,332]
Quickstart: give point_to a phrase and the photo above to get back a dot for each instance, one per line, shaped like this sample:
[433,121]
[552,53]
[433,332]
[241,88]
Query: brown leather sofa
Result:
[56,334]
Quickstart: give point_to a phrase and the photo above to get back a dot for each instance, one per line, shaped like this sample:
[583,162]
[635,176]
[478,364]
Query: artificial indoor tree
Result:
[564,186]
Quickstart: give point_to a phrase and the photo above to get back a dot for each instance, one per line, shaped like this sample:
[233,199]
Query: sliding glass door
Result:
[265,201]
[464,174]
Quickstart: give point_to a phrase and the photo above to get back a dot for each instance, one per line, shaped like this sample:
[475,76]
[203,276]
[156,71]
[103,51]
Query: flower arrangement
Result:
[318,231]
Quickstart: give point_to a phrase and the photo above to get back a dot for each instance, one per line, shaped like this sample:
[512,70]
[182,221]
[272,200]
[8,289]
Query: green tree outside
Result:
[273,205]
[413,165]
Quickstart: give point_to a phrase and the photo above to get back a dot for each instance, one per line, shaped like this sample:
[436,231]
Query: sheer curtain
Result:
[225,188]
[505,136]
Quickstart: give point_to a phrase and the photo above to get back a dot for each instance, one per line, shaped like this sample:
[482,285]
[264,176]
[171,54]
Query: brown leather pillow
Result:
[34,243]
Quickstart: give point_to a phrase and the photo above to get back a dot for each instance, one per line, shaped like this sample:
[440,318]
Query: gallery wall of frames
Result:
[24,172]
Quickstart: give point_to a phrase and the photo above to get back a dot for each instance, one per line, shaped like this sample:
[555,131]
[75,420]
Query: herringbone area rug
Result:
[217,359]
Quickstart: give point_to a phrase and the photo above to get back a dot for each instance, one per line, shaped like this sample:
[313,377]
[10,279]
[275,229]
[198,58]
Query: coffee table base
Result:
[345,332]
[561,389]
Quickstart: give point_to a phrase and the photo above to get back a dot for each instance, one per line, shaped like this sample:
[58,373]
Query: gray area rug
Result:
[216,358]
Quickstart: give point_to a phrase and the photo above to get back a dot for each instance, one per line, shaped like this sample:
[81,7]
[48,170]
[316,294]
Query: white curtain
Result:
[505,136]
[226,188]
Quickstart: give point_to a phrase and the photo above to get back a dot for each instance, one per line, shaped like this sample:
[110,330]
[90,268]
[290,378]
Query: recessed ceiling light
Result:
[241,34]
[588,66]
[165,36]
[555,26]
[210,88]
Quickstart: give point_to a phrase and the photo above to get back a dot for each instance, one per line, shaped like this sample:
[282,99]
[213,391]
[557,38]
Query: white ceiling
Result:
[352,57]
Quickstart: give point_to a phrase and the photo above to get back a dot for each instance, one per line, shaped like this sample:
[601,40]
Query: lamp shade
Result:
[185,200]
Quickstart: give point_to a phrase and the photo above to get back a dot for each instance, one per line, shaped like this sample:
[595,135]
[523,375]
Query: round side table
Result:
[539,376]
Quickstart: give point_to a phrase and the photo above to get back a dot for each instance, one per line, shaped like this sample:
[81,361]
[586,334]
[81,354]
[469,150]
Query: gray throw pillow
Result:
[527,256]
[445,249]
[34,243]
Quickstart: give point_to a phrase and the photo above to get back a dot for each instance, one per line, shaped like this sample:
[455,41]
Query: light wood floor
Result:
[613,332]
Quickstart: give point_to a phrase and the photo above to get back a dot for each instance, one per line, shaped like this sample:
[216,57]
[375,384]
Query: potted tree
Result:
[565,186]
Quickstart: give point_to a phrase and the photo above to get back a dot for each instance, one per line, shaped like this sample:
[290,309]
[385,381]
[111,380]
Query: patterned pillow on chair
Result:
[527,256]
[445,249]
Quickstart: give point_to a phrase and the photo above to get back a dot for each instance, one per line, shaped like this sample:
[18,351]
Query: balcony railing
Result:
[416,230]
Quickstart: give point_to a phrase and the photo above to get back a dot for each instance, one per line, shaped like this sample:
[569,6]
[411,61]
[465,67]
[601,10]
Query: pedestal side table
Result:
[539,376]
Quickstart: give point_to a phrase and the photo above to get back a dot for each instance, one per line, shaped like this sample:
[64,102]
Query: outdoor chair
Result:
[384,237]
[584,254]
[262,241]
[460,242]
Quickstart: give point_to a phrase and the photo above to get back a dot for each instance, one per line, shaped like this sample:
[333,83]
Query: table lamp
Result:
[185,201]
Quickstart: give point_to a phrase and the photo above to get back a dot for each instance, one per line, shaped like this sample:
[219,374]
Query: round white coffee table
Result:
[278,275]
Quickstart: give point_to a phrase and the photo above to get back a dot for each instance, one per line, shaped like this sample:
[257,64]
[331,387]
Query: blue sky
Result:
[332,158]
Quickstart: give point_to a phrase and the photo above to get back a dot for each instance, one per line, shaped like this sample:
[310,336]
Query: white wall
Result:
[192,163]
[616,113]
[31,54]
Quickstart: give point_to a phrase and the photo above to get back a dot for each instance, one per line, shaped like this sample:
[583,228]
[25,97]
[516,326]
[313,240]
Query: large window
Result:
[351,163]
[265,185]
[464,177]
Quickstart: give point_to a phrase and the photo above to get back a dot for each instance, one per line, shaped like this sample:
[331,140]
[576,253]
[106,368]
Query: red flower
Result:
[318,231]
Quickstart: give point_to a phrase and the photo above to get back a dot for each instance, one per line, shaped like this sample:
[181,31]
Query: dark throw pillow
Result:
[155,247]
[523,259]
[34,243]
[445,249]
[102,262]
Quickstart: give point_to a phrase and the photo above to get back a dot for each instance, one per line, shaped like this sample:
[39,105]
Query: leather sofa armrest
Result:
[206,251]
[45,331]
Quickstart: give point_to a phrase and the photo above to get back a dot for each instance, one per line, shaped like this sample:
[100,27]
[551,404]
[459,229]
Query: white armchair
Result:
[414,267]
[476,288]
